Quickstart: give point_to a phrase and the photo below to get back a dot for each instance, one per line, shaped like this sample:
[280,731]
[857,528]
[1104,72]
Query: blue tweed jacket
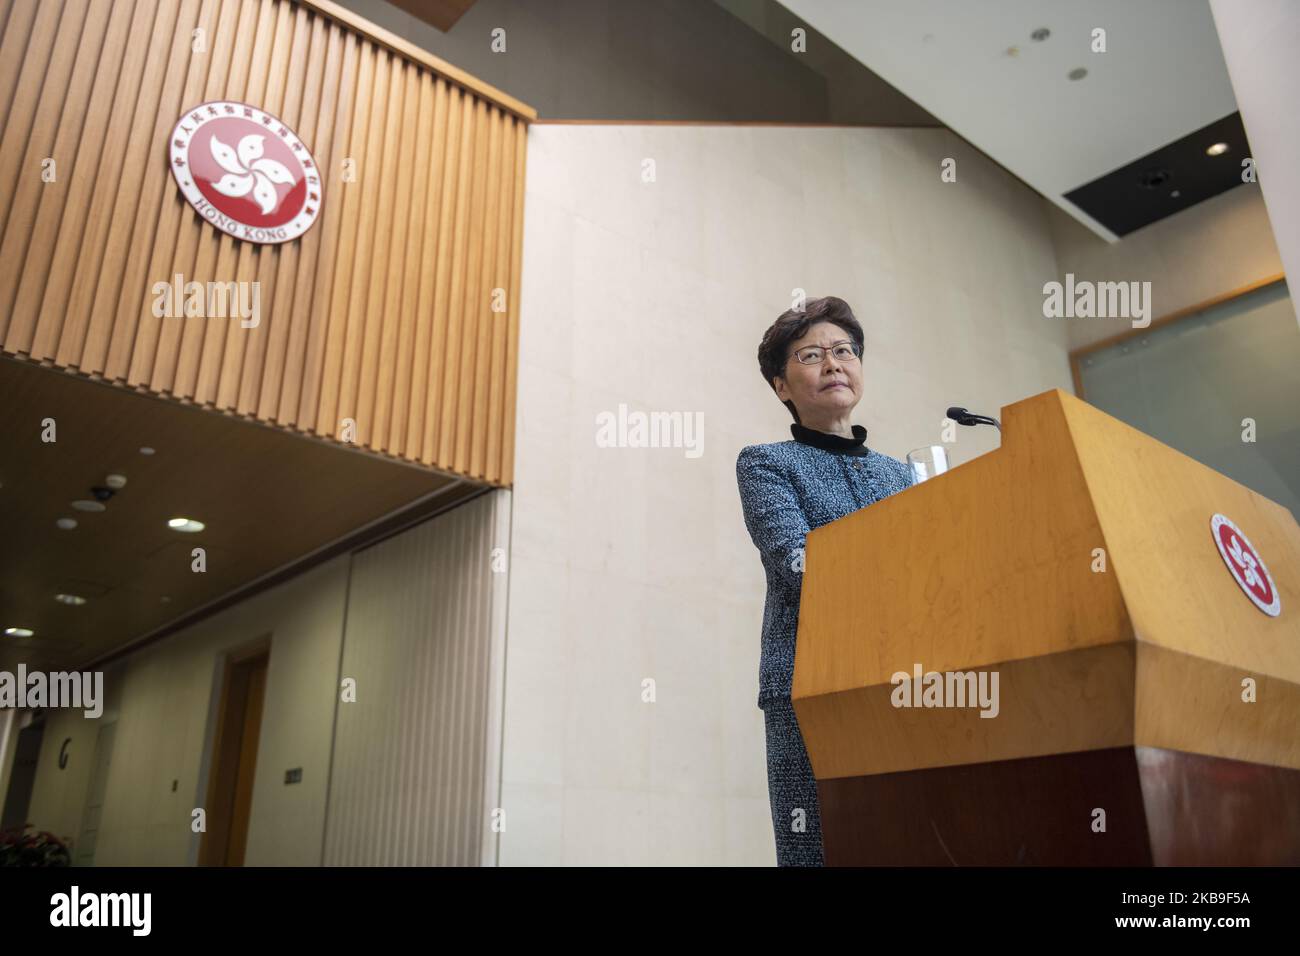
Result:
[787,489]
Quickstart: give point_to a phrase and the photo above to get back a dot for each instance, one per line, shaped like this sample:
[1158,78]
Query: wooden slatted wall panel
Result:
[381,313]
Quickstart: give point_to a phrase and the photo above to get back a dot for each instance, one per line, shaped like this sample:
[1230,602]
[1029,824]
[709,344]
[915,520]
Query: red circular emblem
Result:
[1246,565]
[245,172]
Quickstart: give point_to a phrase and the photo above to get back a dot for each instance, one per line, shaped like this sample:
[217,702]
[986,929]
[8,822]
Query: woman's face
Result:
[827,390]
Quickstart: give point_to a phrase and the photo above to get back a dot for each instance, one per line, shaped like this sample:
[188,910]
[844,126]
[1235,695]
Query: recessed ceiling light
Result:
[1175,194]
[85,504]
[1218,149]
[19,631]
[116,482]
[146,450]
[67,524]
[76,600]
[188,525]
[1077,73]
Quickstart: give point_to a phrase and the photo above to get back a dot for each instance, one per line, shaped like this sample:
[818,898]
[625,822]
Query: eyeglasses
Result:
[815,354]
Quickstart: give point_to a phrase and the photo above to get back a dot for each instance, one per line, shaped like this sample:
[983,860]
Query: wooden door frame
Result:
[229,660]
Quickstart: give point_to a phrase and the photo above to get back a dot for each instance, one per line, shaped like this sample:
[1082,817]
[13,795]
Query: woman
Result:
[813,361]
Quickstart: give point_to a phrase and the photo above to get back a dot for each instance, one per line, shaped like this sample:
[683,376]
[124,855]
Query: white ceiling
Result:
[1162,77]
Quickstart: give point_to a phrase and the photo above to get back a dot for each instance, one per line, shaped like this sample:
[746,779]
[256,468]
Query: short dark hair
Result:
[792,325]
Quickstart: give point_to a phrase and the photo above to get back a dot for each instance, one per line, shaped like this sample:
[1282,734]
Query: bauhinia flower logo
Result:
[245,172]
[248,171]
[1246,561]
[1247,567]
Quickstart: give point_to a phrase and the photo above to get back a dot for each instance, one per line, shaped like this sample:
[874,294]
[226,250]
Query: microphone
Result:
[963,417]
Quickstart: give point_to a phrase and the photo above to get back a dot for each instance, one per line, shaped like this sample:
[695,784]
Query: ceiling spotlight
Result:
[1041,34]
[1218,149]
[1175,194]
[67,524]
[85,504]
[188,525]
[76,600]
[19,631]
[146,450]
[1077,73]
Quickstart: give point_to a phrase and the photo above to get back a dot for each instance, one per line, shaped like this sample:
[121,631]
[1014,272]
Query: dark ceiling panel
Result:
[268,497]
[1168,180]
[442,14]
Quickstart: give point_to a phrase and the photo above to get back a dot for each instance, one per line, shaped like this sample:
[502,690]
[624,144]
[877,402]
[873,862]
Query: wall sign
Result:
[1247,567]
[245,172]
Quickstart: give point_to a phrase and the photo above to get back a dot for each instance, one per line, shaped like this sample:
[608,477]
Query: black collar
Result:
[827,442]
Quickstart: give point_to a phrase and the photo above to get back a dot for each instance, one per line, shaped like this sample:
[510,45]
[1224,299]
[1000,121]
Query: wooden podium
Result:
[1148,712]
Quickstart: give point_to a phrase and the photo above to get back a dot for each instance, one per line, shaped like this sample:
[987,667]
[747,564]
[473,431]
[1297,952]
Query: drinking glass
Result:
[927,462]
